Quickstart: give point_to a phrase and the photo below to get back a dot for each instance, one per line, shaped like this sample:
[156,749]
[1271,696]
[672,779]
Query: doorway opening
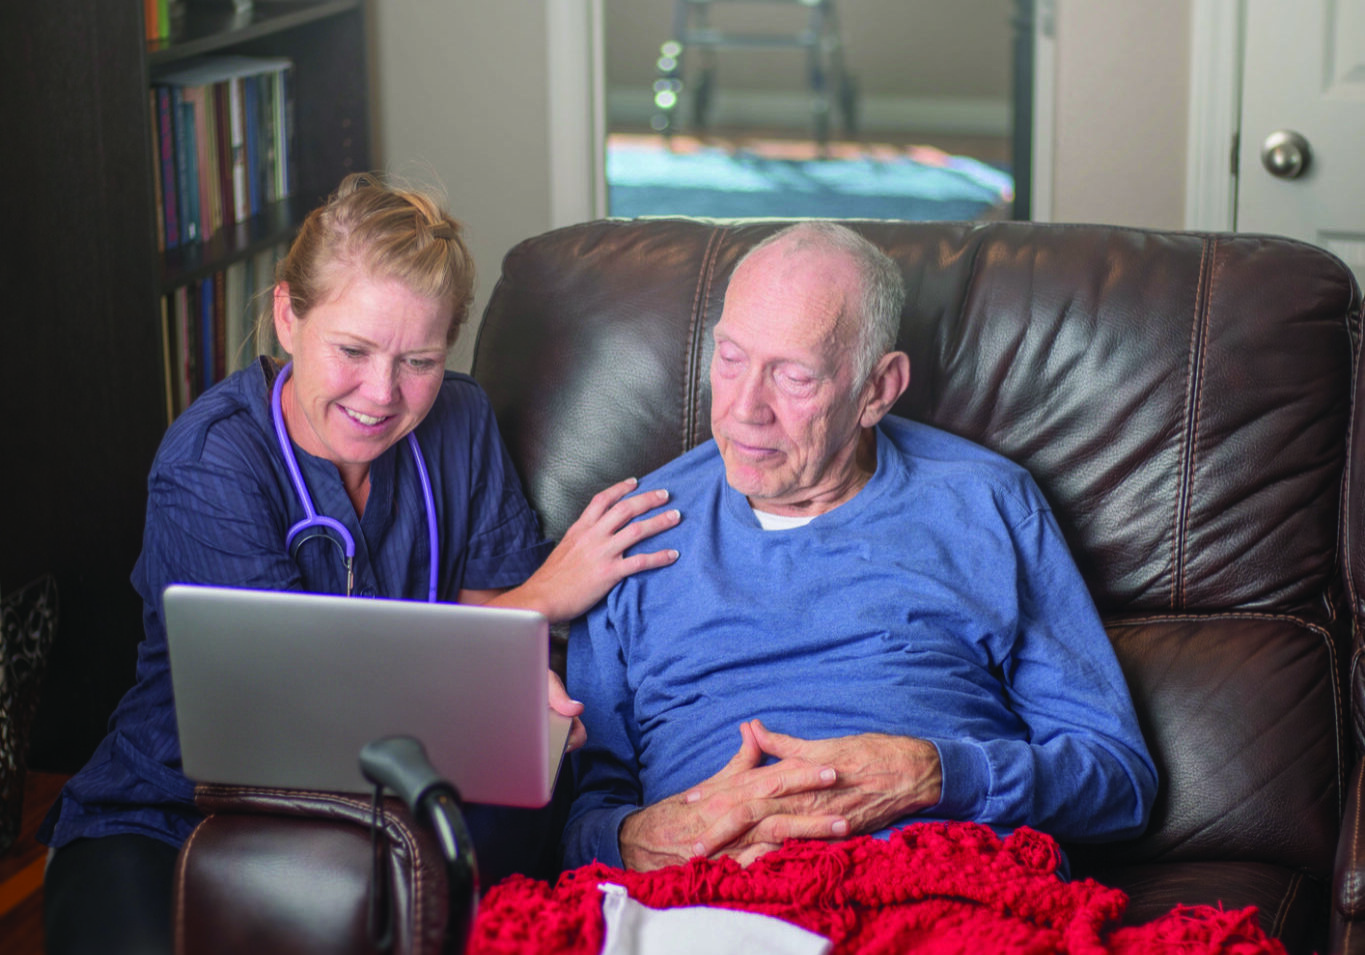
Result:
[926,116]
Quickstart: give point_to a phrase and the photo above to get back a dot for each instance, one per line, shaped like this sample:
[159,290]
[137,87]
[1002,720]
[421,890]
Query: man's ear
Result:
[285,320]
[888,381]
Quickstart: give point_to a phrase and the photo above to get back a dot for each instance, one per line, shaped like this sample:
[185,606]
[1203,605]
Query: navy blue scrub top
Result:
[219,505]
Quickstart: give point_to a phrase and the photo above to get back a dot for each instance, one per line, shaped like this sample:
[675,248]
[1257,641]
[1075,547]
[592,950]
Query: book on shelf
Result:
[251,136]
[167,368]
[284,130]
[156,16]
[219,325]
[208,325]
[265,111]
[204,380]
[230,131]
[187,165]
[236,302]
[182,349]
[241,200]
[169,212]
[152,110]
[210,213]
[223,140]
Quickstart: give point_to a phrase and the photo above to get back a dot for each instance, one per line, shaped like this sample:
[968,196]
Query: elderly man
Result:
[886,616]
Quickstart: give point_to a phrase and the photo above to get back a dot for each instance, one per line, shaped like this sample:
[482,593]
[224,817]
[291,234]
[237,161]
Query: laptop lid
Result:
[282,689]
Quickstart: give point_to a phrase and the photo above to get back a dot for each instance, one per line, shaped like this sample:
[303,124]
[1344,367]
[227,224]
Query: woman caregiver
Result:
[361,467]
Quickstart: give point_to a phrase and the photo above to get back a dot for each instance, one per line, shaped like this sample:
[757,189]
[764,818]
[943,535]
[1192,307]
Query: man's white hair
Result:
[878,313]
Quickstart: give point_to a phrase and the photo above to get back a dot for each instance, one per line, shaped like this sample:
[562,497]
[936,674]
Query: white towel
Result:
[636,929]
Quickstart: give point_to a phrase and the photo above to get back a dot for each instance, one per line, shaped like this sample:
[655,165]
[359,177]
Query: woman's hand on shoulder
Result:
[591,559]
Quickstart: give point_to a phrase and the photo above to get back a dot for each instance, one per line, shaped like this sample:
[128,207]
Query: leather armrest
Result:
[287,871]
[1348,875]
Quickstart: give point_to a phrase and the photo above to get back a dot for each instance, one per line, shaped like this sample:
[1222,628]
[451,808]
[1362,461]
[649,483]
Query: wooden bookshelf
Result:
[82,376]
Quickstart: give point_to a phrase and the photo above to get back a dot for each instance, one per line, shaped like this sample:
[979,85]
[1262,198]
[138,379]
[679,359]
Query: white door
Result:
[1304,73]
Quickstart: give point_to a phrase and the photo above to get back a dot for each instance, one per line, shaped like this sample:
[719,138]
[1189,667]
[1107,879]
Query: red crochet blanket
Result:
[930,888]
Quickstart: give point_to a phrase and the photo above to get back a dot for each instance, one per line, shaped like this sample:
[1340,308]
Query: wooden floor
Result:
[21,872]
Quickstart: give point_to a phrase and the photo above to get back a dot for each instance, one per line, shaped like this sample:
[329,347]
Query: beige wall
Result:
[1120,113]
[461,97]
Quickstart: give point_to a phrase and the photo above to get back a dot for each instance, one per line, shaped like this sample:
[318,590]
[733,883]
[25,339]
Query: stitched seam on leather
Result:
[1239,615]
[324,796]
[692,373]
[1194,381]
[1346,554]
[1344,525]
[1341,695]
[182,863]
[1286,902]
[1351,884]
[414,879]
[1339,718]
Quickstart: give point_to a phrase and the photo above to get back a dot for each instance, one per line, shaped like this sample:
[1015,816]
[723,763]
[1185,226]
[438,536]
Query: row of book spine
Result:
[208,326]
[223,141]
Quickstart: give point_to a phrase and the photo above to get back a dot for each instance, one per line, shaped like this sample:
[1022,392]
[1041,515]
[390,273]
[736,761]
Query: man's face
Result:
[782,409]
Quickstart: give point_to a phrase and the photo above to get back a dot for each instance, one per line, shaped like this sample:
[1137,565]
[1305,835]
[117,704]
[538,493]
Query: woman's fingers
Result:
[563,704]
[591,557]
[560,701]
[615,495]
[578,735]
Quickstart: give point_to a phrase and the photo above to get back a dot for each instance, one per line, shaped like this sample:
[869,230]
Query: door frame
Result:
[1044,109]
[575,74]
[1217,30]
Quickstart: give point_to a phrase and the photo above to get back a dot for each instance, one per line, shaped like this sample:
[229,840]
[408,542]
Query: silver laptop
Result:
[282,689]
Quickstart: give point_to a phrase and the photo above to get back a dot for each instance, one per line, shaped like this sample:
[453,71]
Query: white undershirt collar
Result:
[780,522]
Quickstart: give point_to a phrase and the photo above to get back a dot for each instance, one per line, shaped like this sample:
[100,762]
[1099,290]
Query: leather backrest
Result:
[1182,399]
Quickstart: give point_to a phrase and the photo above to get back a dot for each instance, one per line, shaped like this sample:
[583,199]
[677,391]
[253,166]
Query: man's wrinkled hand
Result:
[732,810]
[878,779]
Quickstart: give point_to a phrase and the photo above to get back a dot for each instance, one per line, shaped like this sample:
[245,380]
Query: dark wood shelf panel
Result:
[206,30]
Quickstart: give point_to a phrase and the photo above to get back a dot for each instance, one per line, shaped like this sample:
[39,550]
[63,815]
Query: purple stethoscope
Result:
[320,525]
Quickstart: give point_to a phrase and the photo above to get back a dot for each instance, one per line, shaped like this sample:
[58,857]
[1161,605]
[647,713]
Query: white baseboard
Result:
[962,116]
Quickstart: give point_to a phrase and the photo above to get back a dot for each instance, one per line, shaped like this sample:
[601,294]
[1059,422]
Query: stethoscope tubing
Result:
[313,521]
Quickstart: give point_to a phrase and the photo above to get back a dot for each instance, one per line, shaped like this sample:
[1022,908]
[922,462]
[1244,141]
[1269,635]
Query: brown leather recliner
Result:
[1185,402]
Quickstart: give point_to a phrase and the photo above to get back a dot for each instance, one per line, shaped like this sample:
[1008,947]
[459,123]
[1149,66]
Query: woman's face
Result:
[368,364]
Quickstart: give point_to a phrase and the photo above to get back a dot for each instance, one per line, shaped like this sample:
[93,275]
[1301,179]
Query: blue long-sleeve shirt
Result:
[940,602]
[219,505]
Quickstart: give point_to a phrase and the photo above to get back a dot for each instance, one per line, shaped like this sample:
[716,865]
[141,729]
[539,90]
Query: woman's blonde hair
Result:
[372,228]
